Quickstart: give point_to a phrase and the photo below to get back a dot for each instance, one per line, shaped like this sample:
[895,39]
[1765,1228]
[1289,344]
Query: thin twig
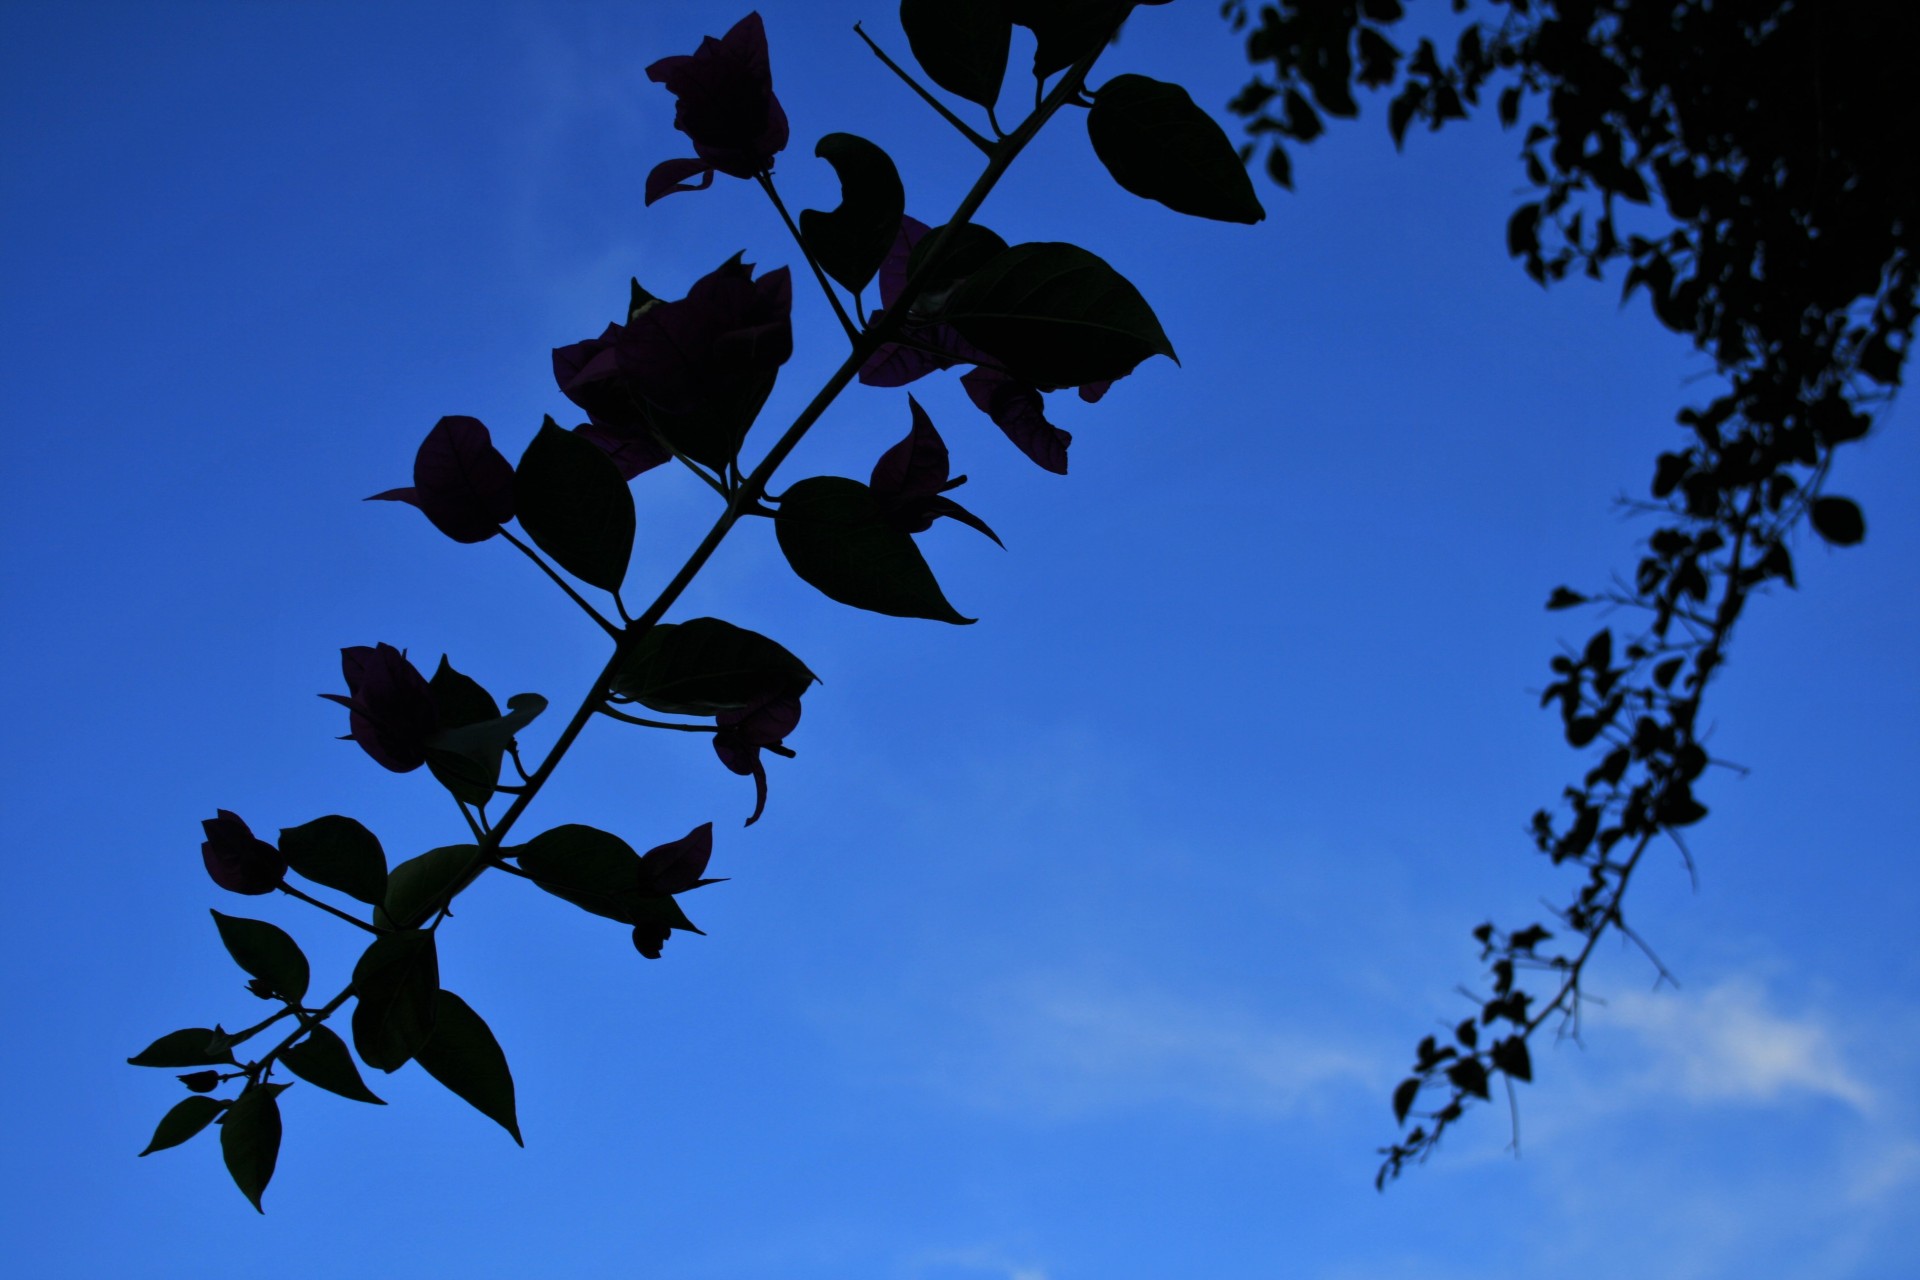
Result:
[563,584]
[966,130]
[330,909]
[826,287]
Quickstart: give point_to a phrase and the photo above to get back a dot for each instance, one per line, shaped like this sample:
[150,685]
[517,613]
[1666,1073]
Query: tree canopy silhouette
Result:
[1753,168]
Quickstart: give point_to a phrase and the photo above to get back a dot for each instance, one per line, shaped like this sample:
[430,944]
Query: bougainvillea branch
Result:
[678,379]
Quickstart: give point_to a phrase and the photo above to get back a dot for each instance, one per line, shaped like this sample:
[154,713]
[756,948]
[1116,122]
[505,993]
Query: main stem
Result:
[744,499]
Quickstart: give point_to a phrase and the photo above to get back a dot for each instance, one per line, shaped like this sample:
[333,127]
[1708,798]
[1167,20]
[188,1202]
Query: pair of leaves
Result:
[703,666]
[457,1048]
[837,535]
[573,503]
[851,241]
[1157,144]
[465,754]
[249,1134]
[396,984]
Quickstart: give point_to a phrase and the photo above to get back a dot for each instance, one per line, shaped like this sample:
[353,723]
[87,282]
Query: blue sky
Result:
[1081,944]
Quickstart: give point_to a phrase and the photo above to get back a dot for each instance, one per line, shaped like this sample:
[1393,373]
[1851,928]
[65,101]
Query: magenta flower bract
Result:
[911,480]
[741,735]
[711,352]
[724,102]
[390,704]
[460,481]
[238,860]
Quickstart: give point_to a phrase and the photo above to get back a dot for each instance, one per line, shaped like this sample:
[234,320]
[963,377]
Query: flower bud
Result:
[238,860]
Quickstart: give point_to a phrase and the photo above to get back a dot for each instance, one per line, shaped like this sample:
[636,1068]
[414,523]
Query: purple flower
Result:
[238,860]
[911,480]
[724,101]
[678,865]
[740,736]
[1017,409]
[392,713]
[460,481]
[693,372]
[1020,411]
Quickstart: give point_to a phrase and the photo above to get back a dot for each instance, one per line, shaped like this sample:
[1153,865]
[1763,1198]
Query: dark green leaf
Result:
[322,1059]
[1511,1056]
[1838,520]
[395,983]
[339,853]
[836,535]
[1565,598]
[192,1047]
[467,758]
[250,1139]
[460,701]
[1403,1095]
[1599,651]
[463,1055]
[1066,31]
[418,885]
[574,505]
[1156,143]
[187,1117]
[960,44]
[704,666]
[1469,1076]
[852,240]
[266,952]
[593,869]
[1056,316]
[966,249]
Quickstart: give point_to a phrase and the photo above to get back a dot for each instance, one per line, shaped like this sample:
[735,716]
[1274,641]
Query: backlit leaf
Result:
[268,953]
[463,1055]
[851,241]
[1157,144]
[836,535]
[575,506]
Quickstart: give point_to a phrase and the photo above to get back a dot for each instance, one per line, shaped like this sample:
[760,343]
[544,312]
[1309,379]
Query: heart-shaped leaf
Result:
[1156,143]
[704,666]
[268,953]
[960,44]
[836,535]
[463,1055]
[1056,316]
[851,241]
[573,503]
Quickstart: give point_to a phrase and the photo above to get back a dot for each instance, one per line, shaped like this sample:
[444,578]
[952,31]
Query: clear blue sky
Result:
[1081,944]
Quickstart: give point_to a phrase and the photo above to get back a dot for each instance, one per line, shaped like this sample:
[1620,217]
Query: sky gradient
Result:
[1084,943]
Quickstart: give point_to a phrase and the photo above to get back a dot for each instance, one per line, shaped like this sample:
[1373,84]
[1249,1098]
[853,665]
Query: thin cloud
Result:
[1729,1045]
[1070,1047]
